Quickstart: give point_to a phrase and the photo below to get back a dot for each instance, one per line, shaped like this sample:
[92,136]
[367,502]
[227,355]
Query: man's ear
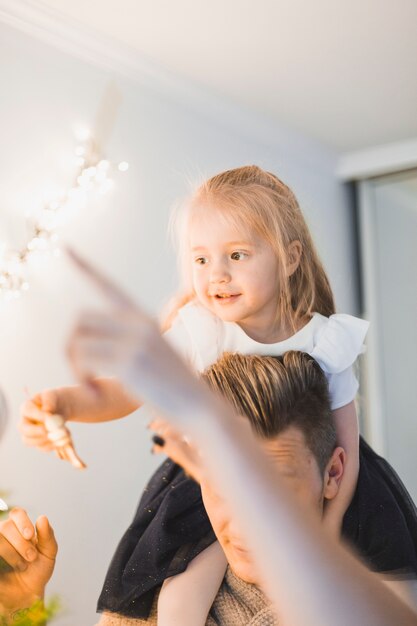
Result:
[294,252]
[333,474]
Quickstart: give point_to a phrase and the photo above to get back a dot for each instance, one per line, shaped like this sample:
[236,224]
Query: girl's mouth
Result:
[226,297]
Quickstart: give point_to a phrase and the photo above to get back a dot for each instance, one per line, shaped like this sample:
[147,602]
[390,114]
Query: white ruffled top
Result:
[335,342]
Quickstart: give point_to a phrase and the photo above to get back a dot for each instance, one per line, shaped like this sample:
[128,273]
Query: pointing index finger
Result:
[111,291]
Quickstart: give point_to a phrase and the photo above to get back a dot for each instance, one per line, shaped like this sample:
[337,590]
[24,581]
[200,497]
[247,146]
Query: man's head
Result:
[286,401]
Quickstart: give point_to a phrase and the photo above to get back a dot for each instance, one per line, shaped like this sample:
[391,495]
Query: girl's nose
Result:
[219,273]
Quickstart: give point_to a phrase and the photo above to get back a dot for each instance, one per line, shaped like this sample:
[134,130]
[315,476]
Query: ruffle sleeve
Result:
[339,342]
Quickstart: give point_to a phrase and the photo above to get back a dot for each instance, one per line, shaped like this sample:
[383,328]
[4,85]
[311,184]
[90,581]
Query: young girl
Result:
[252,283]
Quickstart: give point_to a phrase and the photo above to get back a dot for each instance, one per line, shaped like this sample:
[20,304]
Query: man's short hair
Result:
[276,392]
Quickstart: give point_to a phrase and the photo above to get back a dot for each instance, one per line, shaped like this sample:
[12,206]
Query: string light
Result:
[93,175]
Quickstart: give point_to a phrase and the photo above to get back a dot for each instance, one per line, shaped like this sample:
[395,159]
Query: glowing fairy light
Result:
[93,176]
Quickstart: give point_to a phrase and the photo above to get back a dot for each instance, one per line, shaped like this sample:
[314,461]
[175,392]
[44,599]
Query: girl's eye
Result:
[238,256]
[201,260]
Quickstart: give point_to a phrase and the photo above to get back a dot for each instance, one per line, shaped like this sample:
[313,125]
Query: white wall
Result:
[43,92]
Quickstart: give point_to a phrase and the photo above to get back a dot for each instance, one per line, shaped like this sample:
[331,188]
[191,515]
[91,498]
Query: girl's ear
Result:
[294,252]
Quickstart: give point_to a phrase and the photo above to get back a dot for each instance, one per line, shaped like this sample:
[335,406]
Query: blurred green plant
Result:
[39,614]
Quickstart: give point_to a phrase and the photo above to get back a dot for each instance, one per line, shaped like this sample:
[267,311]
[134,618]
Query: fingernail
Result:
[27,533]
[159,441]
[30,554]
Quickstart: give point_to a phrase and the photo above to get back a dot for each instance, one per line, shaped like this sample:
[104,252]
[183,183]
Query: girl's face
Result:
[235,274]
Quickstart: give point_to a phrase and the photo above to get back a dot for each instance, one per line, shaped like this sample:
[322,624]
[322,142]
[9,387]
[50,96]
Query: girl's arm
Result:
[106,399]
[347,431]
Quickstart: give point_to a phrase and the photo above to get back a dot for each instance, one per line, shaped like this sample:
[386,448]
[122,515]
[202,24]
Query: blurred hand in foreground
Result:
[28,554]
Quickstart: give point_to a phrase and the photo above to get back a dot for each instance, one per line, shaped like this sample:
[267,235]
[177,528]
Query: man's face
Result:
[299,469]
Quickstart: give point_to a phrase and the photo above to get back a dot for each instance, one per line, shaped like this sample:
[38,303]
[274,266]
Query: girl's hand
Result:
[178,447]
[33,414]
[36,431]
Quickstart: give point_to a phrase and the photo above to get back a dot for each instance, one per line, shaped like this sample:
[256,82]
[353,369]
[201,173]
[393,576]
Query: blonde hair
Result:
[275,393]
[258,200]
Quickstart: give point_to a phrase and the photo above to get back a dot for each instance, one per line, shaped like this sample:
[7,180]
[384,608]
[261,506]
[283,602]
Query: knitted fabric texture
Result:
[237,604]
